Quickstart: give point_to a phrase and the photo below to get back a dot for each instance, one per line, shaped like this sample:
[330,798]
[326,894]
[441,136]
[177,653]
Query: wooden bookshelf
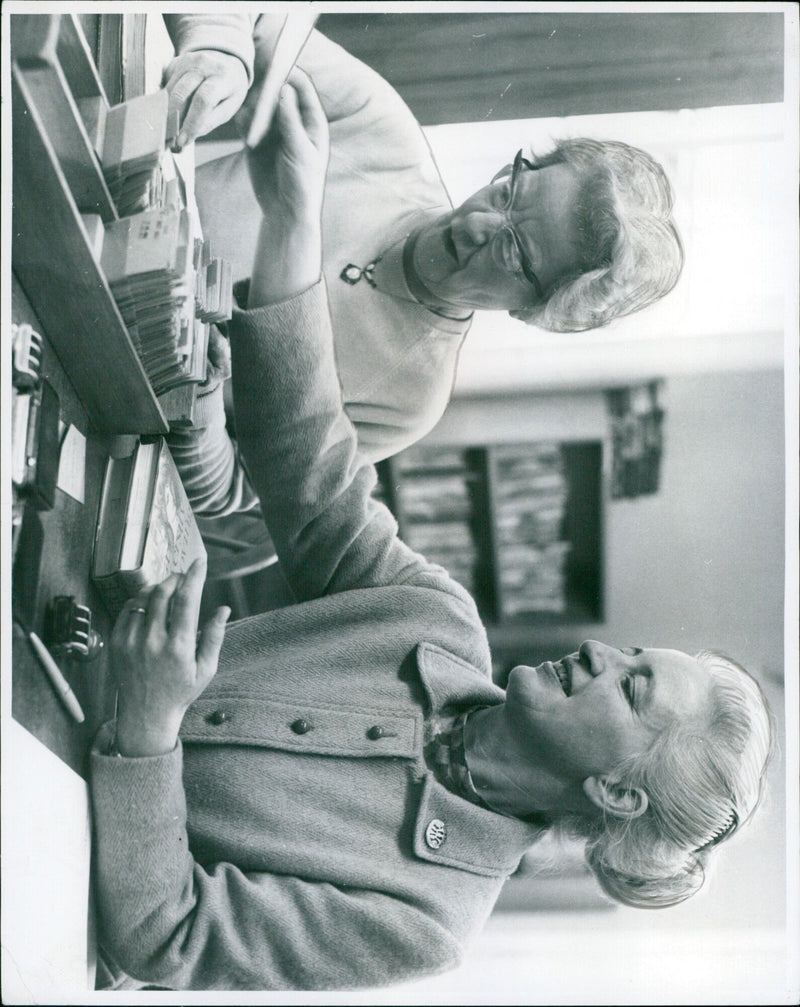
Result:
[54,70]
[57,177]
[528,546]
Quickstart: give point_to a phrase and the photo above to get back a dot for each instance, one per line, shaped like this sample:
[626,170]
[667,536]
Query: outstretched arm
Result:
[300,446]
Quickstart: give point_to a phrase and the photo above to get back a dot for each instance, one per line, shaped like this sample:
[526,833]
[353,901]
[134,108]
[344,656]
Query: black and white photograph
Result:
[400,503]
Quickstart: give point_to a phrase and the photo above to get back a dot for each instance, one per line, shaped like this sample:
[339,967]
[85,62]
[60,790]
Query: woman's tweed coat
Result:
[295,839]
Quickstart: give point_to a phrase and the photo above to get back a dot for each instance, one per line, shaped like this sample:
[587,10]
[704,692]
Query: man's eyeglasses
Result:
[512,254]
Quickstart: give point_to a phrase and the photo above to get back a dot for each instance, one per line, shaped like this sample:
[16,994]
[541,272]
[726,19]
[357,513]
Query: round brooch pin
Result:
[350,274]
[435,834]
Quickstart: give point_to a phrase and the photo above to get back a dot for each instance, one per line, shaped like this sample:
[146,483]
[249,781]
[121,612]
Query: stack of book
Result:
[166,300]
[214,286]
[533,579]
[432,458]
[167,285]
[145,527]
[148,262]
[435,497]
[436,504]
[530,499]
[136,162]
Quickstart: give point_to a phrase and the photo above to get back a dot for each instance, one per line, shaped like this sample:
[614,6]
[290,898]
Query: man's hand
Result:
[160,661]
[287,170]
[206,88]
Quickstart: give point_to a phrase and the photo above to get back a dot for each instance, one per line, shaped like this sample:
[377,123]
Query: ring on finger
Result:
[138,608]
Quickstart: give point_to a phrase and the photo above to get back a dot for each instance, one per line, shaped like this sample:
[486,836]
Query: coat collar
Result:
[450,830]
[449,679]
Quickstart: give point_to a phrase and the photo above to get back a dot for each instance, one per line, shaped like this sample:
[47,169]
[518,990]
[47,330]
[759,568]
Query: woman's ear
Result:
[615,798]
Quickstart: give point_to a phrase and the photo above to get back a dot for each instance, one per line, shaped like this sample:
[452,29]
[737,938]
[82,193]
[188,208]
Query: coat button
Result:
[301,726]
[218,717]
[376,732]
[436,833]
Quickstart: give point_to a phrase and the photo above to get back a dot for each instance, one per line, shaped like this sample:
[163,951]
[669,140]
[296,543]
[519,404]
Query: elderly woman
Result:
[565,242]
[340,803]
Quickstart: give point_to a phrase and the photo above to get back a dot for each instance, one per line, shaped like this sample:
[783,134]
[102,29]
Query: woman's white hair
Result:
[703,780]
[630,251]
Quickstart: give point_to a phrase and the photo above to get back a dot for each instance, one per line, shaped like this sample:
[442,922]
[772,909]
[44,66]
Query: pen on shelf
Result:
[60,684]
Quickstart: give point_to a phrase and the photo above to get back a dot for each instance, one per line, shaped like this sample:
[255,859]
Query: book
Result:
[152,242]
[134,138]
[145,527]
[533,579]
[20,412]
[435,497]
[426,458]
[131,140]
[428,536]
[93,110]
[138,507]
[293,36]
[179,404]
[36,443]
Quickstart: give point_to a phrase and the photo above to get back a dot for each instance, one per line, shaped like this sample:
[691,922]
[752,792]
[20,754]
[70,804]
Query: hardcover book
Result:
[145,527]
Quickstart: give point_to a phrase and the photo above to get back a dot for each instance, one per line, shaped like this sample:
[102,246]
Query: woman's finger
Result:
[134,619]
[160,598]
[312,114]
[185,609]
[224,111]
[210,644]
[199,118]
[181,88]
[288,121]
[130,623]
[134,611]
[263,132]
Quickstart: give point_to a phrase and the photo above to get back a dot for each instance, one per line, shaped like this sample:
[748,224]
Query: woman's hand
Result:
[218,364]
[206,88]
[288,163]
[287,170]
[160,661]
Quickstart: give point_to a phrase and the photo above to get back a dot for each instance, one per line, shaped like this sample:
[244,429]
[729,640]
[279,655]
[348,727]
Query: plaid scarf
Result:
[448,760]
